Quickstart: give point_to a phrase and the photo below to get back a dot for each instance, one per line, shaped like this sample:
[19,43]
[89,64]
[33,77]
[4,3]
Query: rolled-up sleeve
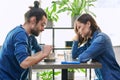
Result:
[34,44]
[21,46]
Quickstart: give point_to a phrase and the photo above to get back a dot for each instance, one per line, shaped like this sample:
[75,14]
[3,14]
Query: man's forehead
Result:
[44,19]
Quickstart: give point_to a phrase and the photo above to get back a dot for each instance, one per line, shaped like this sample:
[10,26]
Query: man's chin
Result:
[35,35]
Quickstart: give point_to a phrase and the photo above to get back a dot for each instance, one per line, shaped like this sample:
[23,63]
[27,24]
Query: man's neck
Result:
[27,28]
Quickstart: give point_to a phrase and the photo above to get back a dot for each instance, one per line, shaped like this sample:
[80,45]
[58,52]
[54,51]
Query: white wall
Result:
[11,15]
[108,21]
[117,53]
[107,12]
[108,15]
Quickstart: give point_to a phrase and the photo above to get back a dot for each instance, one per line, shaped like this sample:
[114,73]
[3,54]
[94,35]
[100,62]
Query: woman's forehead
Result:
[79,23]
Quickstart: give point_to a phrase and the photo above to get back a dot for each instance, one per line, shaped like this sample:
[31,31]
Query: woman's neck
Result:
[90,34]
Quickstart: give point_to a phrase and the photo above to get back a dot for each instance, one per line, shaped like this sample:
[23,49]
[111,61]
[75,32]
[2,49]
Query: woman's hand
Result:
[76,38]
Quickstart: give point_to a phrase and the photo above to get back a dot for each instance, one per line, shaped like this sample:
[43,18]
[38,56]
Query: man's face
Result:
[39,27]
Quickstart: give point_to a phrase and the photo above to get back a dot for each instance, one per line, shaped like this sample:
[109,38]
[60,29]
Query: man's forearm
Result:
[31,60]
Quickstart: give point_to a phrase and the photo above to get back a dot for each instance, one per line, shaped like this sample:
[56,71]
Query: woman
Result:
[91,43]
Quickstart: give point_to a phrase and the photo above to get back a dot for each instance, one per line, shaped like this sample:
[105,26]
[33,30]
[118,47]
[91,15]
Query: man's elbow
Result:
[24,65]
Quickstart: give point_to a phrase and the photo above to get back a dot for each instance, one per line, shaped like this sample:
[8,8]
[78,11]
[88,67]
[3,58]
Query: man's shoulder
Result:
[18,29]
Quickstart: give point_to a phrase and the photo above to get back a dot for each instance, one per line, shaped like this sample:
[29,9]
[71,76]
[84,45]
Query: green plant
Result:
[72,71]
[74,7]
[78,70]
[52,12]
[48,74]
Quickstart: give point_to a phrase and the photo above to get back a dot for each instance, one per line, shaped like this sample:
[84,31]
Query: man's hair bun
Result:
[36,4]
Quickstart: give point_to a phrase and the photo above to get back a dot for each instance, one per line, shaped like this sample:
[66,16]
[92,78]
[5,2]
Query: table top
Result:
[57,65]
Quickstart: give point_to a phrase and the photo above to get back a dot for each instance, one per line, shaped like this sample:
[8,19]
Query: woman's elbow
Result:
[82,59]
[74,56]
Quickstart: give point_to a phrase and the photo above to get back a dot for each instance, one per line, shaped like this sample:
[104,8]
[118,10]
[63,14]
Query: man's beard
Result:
[34,32]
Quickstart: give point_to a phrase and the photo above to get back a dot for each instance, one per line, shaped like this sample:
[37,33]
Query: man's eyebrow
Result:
[45,23]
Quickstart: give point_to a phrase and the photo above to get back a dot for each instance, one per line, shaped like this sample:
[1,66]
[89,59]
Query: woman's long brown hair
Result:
[84,18]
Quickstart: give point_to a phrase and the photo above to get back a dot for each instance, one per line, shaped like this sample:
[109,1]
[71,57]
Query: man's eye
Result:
[43,24]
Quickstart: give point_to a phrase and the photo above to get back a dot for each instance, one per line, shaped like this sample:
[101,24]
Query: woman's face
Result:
[83,29]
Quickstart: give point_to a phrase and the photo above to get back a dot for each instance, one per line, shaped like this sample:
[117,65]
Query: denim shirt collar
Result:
[94,35]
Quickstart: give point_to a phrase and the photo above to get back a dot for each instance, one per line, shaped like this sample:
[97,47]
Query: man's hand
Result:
[47,49]
[31,60]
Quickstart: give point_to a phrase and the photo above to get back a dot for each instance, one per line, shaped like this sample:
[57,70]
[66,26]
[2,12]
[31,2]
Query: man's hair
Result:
[35,11]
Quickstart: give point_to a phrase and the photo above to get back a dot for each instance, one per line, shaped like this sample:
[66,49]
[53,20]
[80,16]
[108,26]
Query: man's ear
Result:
[33,20]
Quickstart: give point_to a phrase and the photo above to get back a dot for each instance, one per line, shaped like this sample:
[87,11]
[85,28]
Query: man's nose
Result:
[43,29]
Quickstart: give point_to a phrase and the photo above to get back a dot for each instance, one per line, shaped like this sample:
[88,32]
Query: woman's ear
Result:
[88,23]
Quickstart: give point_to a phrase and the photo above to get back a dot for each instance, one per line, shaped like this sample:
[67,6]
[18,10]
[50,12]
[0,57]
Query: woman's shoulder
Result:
[102,37]
[102,34]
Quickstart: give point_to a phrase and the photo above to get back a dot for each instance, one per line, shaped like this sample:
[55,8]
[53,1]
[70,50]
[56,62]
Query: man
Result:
[15,54]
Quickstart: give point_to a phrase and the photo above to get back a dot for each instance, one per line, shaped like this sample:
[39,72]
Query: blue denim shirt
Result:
[99,48]
[16,47]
